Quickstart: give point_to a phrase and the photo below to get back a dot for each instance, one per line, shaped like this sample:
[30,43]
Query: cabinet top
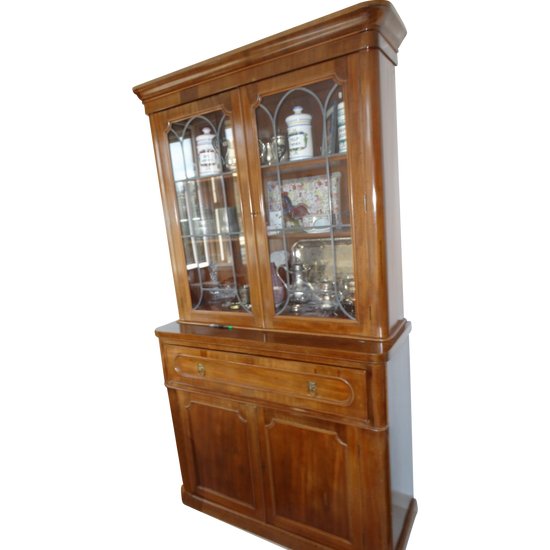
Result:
[355,352]
[373,24]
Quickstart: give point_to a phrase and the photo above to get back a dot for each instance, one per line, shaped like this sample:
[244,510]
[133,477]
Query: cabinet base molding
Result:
[407,526]
[282,537]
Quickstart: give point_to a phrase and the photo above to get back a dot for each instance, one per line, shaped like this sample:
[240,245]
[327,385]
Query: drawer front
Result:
[295,384]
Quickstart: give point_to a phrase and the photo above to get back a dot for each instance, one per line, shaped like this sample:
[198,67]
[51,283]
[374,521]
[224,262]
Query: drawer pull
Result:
[312,388]
[201,369]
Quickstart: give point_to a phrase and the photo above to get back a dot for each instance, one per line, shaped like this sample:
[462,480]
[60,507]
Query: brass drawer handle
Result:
[201,369]
[312,388]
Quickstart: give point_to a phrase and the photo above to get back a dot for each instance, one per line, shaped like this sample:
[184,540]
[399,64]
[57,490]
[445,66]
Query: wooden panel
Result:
[219,452]
[375,483]
[373,153]
[311,479]
[292,383]
[391,191]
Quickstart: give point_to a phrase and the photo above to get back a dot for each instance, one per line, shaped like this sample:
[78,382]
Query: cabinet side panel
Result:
[400,436]
[391,191]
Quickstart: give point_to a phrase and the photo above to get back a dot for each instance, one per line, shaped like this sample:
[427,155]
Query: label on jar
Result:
[297,142]
[208,160]
[342,141]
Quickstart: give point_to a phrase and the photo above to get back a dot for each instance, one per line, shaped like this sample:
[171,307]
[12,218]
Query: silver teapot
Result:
[301,292]
[327,296]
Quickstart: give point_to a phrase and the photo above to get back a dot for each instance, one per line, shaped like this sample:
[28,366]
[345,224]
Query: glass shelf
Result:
[319,232]
[314,165]
[234,236]
[206,179]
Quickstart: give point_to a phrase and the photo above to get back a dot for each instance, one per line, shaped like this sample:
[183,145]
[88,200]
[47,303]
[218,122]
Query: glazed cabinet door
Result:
[302,162]
[219,454]
[311,478]
[206,200]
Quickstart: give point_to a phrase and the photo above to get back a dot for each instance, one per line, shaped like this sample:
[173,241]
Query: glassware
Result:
[348,294]
[279,148]
[244,295]
[278,287]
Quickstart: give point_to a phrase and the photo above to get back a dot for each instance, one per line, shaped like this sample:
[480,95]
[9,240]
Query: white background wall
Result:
[87,455]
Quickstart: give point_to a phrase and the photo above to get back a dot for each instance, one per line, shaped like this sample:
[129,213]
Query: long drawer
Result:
[295,384]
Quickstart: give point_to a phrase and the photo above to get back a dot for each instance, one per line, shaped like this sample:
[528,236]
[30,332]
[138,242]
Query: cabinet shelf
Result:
[296,168]
[200,179]
[339,232]
[215,236]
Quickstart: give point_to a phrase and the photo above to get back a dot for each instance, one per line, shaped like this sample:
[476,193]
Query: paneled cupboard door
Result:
[209,222]
[311,478]
[219,451]
[299,129]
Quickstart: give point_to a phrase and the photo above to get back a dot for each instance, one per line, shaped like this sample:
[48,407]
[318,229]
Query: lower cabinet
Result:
[297,474]
[294,451]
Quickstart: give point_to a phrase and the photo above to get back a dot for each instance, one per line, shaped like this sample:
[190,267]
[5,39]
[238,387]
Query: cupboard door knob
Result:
[201,369]
[312,388]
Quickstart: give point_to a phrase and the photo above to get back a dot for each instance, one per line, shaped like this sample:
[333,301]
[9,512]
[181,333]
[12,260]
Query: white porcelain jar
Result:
[230,158]
[208,154]
[300,137]
[342,140]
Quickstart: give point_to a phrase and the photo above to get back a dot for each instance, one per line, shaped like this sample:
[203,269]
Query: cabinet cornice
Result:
[373,24]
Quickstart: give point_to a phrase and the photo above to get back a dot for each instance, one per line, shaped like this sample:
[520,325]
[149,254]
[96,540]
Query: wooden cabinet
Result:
[288,368]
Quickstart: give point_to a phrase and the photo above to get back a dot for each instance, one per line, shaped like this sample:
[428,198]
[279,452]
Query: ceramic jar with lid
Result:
[341,120]
[230,158]
[208,153]
[300,137]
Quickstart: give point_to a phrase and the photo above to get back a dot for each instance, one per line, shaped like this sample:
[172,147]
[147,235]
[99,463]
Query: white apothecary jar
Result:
[208,153]
[300,137]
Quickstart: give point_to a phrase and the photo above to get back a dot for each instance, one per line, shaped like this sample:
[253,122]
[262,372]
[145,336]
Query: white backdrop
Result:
[87,457]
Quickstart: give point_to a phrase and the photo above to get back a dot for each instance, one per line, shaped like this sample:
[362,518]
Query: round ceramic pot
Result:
[208,153]
[300,137]
[342,141]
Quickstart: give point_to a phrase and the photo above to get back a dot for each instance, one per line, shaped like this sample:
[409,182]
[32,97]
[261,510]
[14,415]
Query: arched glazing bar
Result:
[325,153]
[195,210]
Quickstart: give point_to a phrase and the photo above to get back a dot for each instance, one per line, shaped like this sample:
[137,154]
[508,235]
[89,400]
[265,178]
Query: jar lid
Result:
[206,135]
[298,117]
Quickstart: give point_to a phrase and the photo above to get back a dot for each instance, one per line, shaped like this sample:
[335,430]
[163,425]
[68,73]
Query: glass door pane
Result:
[303,156]
[210,214]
